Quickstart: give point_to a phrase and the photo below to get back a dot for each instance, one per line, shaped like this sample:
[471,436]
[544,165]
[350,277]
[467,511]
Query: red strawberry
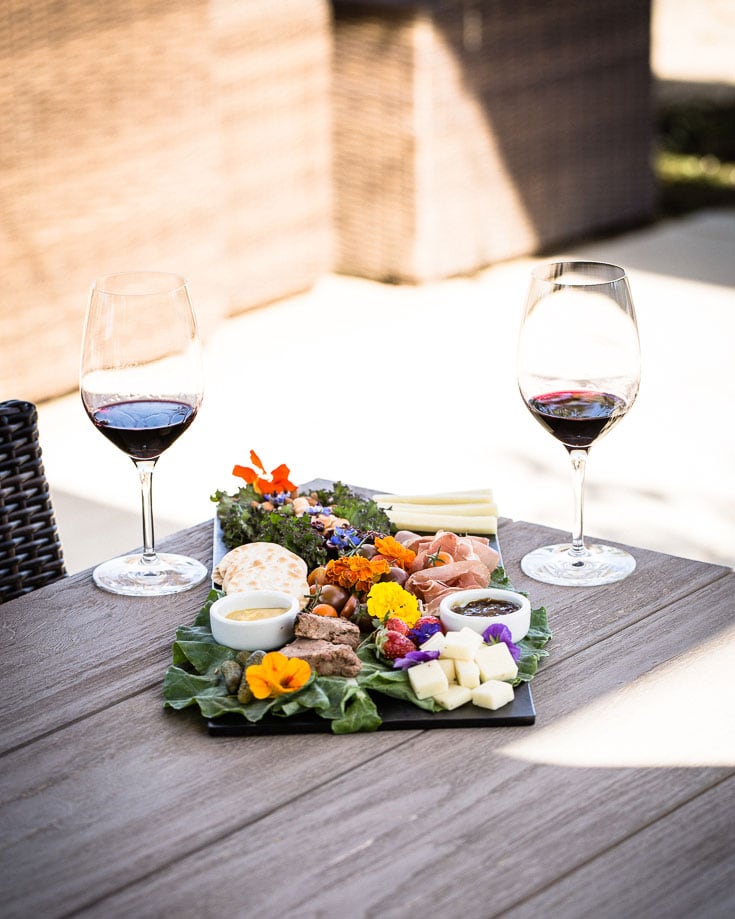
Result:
[427,620]
[392,644]
[396,625]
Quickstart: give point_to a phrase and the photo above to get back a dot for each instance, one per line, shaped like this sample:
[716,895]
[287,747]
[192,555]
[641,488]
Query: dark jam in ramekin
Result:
[486,606]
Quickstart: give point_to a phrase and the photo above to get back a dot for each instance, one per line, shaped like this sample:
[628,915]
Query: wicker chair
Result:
[30,551]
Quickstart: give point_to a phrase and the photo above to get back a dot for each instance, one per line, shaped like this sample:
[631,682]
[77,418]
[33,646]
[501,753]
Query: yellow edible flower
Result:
[388,599]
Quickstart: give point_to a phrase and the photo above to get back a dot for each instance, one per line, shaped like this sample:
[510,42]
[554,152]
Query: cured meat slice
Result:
[326,658]
[430,585]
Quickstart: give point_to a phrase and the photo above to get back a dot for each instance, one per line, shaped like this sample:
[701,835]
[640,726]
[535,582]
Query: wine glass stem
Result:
[579,465]
[145,473]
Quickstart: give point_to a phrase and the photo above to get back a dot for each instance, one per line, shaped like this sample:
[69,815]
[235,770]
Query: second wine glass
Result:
[578,373]
[141,383]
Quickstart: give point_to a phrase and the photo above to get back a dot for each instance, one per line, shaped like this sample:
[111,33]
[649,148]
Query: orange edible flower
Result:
[276,675]
[278,481]
[393,550]
[356,573]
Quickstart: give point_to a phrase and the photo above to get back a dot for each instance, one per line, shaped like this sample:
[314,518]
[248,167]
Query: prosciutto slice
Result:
[474,561]
[461,548]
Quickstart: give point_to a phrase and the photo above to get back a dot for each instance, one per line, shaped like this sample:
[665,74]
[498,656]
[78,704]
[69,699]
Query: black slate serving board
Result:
[396,714]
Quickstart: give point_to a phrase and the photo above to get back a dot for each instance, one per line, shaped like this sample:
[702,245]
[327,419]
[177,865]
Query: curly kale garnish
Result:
[243,520]
[363,513]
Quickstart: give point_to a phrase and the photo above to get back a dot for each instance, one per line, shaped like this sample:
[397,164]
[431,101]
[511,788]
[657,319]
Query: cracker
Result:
[263,566]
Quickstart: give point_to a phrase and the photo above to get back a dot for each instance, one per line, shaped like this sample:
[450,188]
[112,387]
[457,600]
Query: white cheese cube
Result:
[447,665]
[468,673]
[493,694]
[453,697]
[435,642]
[473,638]
[496,662]
[462,645]
[427,679]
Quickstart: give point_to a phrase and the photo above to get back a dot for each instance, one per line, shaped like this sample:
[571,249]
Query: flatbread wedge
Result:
[263,566]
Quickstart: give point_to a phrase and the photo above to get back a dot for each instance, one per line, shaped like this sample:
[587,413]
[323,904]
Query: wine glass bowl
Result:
[141,385]
[578,373]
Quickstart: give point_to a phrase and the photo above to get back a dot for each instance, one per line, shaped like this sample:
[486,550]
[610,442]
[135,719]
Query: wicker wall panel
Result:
[139,134]
[470,131]
[272,71]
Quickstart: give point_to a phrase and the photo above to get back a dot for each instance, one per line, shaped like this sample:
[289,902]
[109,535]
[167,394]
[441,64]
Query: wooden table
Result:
[617,802]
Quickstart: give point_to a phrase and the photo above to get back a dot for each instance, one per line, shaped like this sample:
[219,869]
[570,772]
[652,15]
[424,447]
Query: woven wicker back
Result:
[183,135]
[472,131]
[30,551]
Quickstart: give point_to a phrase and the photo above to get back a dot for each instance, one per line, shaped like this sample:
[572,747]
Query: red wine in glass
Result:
[577,418]
[143,428]
[578,373]
[141,385]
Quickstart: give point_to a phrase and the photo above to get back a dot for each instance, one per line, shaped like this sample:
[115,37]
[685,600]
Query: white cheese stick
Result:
[475,509]
[475,496]
[430,523]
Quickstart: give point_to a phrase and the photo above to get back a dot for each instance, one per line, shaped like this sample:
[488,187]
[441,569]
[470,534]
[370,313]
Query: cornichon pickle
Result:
[244,692]
[232,673]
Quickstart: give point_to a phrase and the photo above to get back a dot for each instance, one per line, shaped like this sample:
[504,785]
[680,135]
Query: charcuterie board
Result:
[371,689]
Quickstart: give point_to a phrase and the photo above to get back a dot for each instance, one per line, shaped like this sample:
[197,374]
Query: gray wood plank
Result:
[369,829]
[71,648]
[122,793]
[580,617]
[643,876]
[438,850]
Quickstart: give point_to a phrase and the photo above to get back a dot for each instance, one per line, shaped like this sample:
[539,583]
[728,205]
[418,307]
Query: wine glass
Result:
[141,383]
[578,373]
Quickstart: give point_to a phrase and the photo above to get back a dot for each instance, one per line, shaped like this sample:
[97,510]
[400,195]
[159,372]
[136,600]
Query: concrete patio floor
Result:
[413,389]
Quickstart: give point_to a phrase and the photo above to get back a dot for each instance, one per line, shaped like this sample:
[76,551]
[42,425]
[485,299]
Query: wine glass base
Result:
[597,565]
[134,576]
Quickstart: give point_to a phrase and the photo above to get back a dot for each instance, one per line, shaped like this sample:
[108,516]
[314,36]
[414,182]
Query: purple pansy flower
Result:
[413,658]
[498,632]
[424,632]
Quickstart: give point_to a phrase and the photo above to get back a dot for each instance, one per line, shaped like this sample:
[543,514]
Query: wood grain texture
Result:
[363,840]
[125,792]
[580,617]
[124,809]
[679,867]
[376,833]
[71,648]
